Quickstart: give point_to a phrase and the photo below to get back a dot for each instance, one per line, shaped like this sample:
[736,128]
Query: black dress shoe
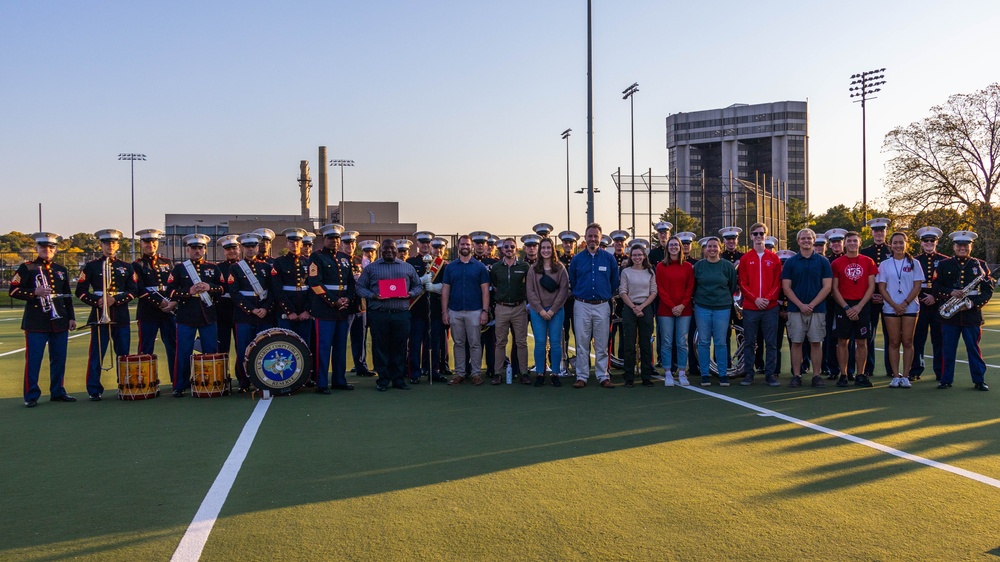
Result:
[943,386]
[30,403]
[381,387]
[63,398]
[322,390]
[438,378]
[647,382]
[982,386]
[177,394]
[365,372]
[401,386]
[95,397]
[310,384]
[414,380]
[342,386]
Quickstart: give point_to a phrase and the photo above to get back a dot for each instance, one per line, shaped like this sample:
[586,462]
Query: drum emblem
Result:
[279,363]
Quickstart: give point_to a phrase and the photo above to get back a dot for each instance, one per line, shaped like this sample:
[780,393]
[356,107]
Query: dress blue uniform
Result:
[246,299]
[151,273]
[225,307]
[90,290]
[290,287]
[928,320]
[194,315]
[46,321]
[331,280]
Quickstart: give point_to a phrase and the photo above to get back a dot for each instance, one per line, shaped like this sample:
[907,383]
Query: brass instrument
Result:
[105,285]
[954,305]
[48,305]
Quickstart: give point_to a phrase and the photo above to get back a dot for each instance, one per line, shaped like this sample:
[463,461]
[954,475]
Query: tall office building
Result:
[752,141]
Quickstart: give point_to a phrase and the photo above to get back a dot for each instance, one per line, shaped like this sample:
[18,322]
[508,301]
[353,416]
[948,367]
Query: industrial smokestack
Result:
[324,191]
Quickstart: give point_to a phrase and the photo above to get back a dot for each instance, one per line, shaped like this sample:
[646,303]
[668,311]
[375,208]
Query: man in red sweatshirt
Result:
[759,277]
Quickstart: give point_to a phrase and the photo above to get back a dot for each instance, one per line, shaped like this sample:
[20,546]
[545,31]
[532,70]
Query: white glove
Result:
[426,278]
[434,287]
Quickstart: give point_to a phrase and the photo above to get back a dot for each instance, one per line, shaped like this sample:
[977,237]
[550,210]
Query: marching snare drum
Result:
[137,377]
[279,361]
[210,375]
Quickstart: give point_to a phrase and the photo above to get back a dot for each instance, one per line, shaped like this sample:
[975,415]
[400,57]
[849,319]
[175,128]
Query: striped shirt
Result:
[367,285]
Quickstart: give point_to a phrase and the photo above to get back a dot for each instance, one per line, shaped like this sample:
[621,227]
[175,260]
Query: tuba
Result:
[954,305]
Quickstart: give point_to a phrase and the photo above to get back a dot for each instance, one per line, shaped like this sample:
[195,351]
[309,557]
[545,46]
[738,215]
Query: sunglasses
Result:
[508,247]
[756,234]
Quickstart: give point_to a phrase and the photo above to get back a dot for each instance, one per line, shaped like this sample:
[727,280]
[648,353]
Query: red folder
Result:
[392,288]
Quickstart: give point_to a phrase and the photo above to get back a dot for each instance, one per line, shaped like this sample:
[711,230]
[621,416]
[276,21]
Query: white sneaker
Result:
[895,382]
[668,379]
[682,379]
[904,383]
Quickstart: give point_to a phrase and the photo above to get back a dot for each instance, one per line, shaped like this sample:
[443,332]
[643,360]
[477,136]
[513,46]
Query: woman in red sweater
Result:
[675,288]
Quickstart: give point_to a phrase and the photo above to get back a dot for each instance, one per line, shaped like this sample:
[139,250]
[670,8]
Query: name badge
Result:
[602,268]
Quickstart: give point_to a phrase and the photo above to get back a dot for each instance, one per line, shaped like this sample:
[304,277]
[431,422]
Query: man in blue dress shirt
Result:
[593,275]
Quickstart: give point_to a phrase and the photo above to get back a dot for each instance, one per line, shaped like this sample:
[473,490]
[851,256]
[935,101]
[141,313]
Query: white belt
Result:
[101,294]
[248,293]
[291,288]
[973,293]
[925,285]
[336,287]
[226,296]
[161,288]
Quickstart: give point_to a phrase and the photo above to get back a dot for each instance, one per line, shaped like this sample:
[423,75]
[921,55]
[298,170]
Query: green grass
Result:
[507,472]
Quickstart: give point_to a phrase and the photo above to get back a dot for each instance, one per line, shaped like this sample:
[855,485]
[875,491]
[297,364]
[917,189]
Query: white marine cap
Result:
[569,236]
[531,239]
[880,223]
[45,238]
[663,226]
[331,230]
[963,236]
[619,235]
[703,241]
[542,229]
[493,240]
[836,234]
[423,236]
[250,239]
[686,237]
[784,254]
[928,231]
[108,234]
[293,233]
[149,234]
[439,242]
[349,236]
[640,242]
[771,241]
[605,241]
[228,240]
[403,243]
[730,231]
[368,245]
[480,236]
[308,238]
[265,234]
[820,239]
[196,239]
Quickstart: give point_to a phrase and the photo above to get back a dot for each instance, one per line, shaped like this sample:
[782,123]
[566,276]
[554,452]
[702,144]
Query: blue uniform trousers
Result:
[927,321]
[34,349]
[419,343]
[100,335]
[971,336]
[168,335]
[185,347]
[331,352]
[359,333]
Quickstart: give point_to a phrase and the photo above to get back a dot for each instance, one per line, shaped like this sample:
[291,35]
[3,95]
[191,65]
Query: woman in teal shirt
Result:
[714,286]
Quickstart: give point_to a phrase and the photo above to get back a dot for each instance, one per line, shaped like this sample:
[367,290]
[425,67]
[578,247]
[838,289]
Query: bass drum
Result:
[279,361]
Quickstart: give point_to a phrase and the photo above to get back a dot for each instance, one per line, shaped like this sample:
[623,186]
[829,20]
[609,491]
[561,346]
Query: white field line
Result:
[194,539]
[853,439]
[22,349]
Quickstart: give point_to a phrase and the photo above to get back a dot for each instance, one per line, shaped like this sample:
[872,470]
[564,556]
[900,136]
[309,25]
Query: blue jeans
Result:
[712,326]
[547,331]
[673,330]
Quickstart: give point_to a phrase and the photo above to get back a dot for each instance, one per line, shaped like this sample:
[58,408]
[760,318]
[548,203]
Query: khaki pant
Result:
[465,329]
[591,322]
[508,318]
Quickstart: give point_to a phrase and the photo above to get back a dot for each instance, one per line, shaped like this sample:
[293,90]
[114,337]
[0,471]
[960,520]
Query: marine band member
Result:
[47,320]
[121,290]
[290,286]
[928,319]
[331,280]
[247,285]
[224,312]
[154,312]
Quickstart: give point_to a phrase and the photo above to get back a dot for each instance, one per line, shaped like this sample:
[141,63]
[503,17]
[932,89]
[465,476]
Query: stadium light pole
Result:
[565,136]
[627,94]
[863,85]
[132,157]
[590,113]
[342,163]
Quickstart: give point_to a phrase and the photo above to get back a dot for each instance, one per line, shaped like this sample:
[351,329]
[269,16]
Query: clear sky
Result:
[453,108]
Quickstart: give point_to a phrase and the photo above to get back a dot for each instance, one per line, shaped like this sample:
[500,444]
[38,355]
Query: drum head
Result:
[279,362]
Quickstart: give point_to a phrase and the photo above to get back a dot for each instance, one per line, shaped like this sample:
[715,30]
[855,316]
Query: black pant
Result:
[641,328]
[390,331]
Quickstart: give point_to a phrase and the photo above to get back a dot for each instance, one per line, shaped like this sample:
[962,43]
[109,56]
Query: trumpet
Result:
[105,285]
[48,305]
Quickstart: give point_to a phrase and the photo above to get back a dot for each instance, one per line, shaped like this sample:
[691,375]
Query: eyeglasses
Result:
[756,234]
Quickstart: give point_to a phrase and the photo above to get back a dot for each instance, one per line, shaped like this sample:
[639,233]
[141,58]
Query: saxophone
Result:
[954,305]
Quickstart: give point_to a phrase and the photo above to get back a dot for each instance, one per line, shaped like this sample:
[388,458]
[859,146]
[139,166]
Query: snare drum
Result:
[279,361]
[137,377]
[210,375]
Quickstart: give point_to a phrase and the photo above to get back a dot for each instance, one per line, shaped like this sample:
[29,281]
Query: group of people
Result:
[489,292]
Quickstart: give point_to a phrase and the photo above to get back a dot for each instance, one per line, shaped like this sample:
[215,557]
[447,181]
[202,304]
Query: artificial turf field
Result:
[509,472]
